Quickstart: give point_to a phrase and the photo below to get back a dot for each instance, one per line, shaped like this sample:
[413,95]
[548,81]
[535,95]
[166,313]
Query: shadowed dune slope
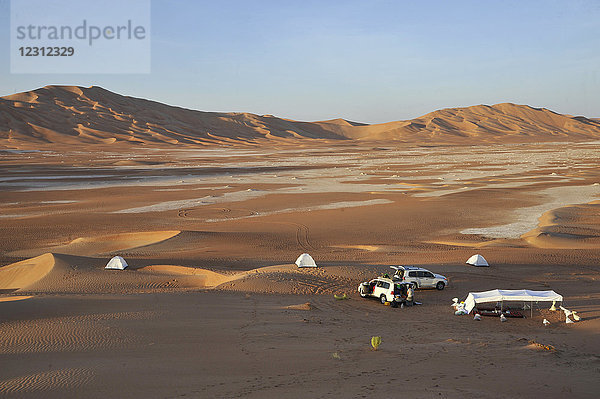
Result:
[72,115]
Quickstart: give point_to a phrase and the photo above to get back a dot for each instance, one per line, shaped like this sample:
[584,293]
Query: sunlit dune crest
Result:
[73,115]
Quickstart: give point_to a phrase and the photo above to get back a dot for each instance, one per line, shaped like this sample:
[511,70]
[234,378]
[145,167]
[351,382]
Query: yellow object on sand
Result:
[375,342]
[341,296]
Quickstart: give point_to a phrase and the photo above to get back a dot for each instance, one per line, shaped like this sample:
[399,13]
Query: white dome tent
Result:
[305,260]
[477,260]
[116,263]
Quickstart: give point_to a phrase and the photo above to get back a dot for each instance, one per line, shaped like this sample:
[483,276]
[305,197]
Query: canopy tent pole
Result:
[532,309]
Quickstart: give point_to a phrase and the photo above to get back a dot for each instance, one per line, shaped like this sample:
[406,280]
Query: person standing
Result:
[410,295]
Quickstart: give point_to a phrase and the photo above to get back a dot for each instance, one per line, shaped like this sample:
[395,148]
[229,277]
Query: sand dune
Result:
[45,273]
[571,227]
[281,279]
[88,246]
[77,274]
[23,274]
[202,278]
[70,115]
[484,124]
[13,298]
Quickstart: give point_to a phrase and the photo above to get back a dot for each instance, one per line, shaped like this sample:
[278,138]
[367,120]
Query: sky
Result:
[366,61]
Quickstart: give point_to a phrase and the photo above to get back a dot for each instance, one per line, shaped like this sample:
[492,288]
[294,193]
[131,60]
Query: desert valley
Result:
[210,211]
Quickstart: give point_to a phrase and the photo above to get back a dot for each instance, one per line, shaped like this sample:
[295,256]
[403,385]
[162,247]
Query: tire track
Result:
[302,233]
[330,287]
[302,237]
[226,212]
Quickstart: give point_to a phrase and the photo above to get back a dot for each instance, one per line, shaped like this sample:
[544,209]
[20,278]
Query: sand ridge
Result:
[77,274]
[203,278]
[571,227]
[23,274]
[98,245]
[15,298]
[70,115]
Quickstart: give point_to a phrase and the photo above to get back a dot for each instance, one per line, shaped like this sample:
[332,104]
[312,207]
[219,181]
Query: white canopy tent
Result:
[510,295]
[305,260]
[477,260]
[116,263]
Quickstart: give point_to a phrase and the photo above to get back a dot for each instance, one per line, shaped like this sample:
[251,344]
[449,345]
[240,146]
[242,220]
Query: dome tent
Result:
[116,263]
[305,260]
[477,260]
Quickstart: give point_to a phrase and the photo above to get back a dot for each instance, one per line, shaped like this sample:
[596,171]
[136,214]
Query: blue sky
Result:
[368,61]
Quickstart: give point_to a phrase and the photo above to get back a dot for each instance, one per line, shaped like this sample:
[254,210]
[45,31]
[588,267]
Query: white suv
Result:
[385,289]
[422,278]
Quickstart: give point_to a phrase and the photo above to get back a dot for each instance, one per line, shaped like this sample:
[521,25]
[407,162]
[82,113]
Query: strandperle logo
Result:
[80,36]
[84,31]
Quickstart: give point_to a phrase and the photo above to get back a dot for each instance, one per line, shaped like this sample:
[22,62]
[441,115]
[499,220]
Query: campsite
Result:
[216,299]
[300,199]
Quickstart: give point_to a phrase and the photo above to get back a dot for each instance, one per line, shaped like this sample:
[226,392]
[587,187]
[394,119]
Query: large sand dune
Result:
[25,273]
[71,115]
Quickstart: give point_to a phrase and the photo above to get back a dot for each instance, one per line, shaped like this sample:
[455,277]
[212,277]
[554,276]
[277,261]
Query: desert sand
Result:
[73,115]
[212,305]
